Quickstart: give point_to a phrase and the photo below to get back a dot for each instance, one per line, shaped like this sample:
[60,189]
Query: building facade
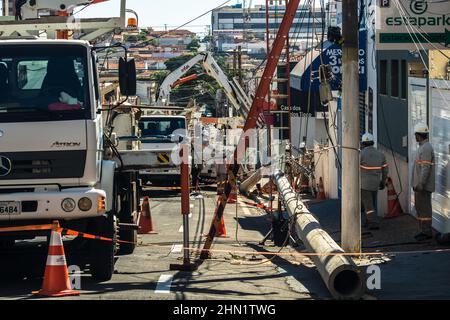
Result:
[233,24]
[8,8]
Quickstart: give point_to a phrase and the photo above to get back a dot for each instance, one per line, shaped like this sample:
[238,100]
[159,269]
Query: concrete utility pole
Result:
[351,194]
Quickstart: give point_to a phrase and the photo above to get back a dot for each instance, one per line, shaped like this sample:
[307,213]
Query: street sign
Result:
[332,56]
[413,25]
[385,3]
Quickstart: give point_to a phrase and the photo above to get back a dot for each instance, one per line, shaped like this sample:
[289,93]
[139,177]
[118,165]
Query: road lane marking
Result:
[181,229]
[164,283]
[176,248]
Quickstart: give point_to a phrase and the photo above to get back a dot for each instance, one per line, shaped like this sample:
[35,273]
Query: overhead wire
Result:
[383,116]
[189,22]
[326,121]
[311,12]
[416,37]
[405,13]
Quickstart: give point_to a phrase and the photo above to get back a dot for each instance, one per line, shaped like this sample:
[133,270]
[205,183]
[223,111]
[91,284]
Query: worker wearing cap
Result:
[423,181]
[374,171]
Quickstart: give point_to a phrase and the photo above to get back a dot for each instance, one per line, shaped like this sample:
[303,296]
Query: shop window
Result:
[394,78]
[383,76]
[404,79]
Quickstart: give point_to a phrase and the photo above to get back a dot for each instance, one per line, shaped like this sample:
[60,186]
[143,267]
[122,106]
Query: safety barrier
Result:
[193,187]
[70,232]
[56,283]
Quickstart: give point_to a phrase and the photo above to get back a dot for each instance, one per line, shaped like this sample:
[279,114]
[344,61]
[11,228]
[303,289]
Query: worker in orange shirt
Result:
[374,171]
[423,181]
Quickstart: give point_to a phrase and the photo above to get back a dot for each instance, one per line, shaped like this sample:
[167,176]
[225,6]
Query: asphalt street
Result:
[236,270]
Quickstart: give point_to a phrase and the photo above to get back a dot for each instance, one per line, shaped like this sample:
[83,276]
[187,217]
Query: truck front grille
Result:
[45,164]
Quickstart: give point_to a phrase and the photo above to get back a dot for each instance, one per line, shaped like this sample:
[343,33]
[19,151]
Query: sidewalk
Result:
[408,274]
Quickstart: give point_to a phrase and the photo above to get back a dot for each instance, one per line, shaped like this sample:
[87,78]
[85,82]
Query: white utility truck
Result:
[58,150]
[161,134]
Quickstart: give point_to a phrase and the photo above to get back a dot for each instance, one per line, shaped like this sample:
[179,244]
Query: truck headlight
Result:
[85,204]
[68,204]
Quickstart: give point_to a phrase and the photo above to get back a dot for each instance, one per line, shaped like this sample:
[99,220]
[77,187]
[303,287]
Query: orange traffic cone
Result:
[321,194]
[145,219]
[56,278]
[394,207]
[221,230]
[233,195]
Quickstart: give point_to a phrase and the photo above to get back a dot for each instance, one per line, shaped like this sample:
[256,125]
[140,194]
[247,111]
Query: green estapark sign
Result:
[413,24]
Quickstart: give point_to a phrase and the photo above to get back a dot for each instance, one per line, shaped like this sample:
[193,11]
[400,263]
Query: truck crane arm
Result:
[59,24]
[235,94]
[29,9]
[186,79]
[174,76]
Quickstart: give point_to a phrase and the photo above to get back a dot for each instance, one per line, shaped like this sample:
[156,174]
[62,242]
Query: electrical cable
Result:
[326,122]
[402,12]
[387,129]
[190,21]
[310,73]
[405,14]
[297,31]
[86,6]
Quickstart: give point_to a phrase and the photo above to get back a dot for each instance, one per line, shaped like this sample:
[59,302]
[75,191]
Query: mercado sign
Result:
[413,24]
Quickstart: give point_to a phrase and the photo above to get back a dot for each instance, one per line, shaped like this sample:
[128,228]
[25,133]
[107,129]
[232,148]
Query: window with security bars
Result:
[362,113]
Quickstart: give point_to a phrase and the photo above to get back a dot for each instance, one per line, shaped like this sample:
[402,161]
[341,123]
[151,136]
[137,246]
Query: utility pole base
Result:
[205,256]
[186,266]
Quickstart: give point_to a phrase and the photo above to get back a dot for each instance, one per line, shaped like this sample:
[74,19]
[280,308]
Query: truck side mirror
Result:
[127,77]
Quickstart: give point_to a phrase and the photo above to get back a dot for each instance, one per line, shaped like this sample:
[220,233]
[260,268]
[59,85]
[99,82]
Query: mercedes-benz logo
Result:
[5,166]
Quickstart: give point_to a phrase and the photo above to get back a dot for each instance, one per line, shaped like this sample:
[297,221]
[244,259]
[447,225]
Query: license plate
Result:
[10,208]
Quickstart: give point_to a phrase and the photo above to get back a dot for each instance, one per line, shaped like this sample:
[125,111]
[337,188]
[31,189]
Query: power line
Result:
[198,17]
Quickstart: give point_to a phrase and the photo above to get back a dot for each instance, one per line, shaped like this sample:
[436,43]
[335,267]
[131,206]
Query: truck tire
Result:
[103,252]
[130,185]
[443,239]
[9,243]
[130,236]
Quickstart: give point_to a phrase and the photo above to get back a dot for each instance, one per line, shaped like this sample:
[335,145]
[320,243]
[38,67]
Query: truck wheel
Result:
[443,239]
[7,243]
[103,252]
[130,236]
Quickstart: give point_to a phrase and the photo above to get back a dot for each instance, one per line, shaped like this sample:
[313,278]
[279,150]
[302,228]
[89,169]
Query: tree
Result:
[194,45]
[222,62]
[176,62]
[207,39]
[203,89]
[159,76]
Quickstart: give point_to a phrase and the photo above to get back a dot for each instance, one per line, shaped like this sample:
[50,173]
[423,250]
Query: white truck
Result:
[160,135]
[57,159]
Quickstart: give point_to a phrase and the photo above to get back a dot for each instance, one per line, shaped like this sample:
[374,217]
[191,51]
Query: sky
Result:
[157,13]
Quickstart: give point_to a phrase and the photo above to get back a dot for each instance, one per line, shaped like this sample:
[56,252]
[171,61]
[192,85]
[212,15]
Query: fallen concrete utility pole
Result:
[341,276]
[250,182]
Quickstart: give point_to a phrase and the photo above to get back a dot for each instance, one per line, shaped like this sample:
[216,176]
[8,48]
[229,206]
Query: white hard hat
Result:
[421,128]
[367,137]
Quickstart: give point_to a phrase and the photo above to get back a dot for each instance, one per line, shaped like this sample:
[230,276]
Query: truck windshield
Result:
[43,83]
[160,128]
